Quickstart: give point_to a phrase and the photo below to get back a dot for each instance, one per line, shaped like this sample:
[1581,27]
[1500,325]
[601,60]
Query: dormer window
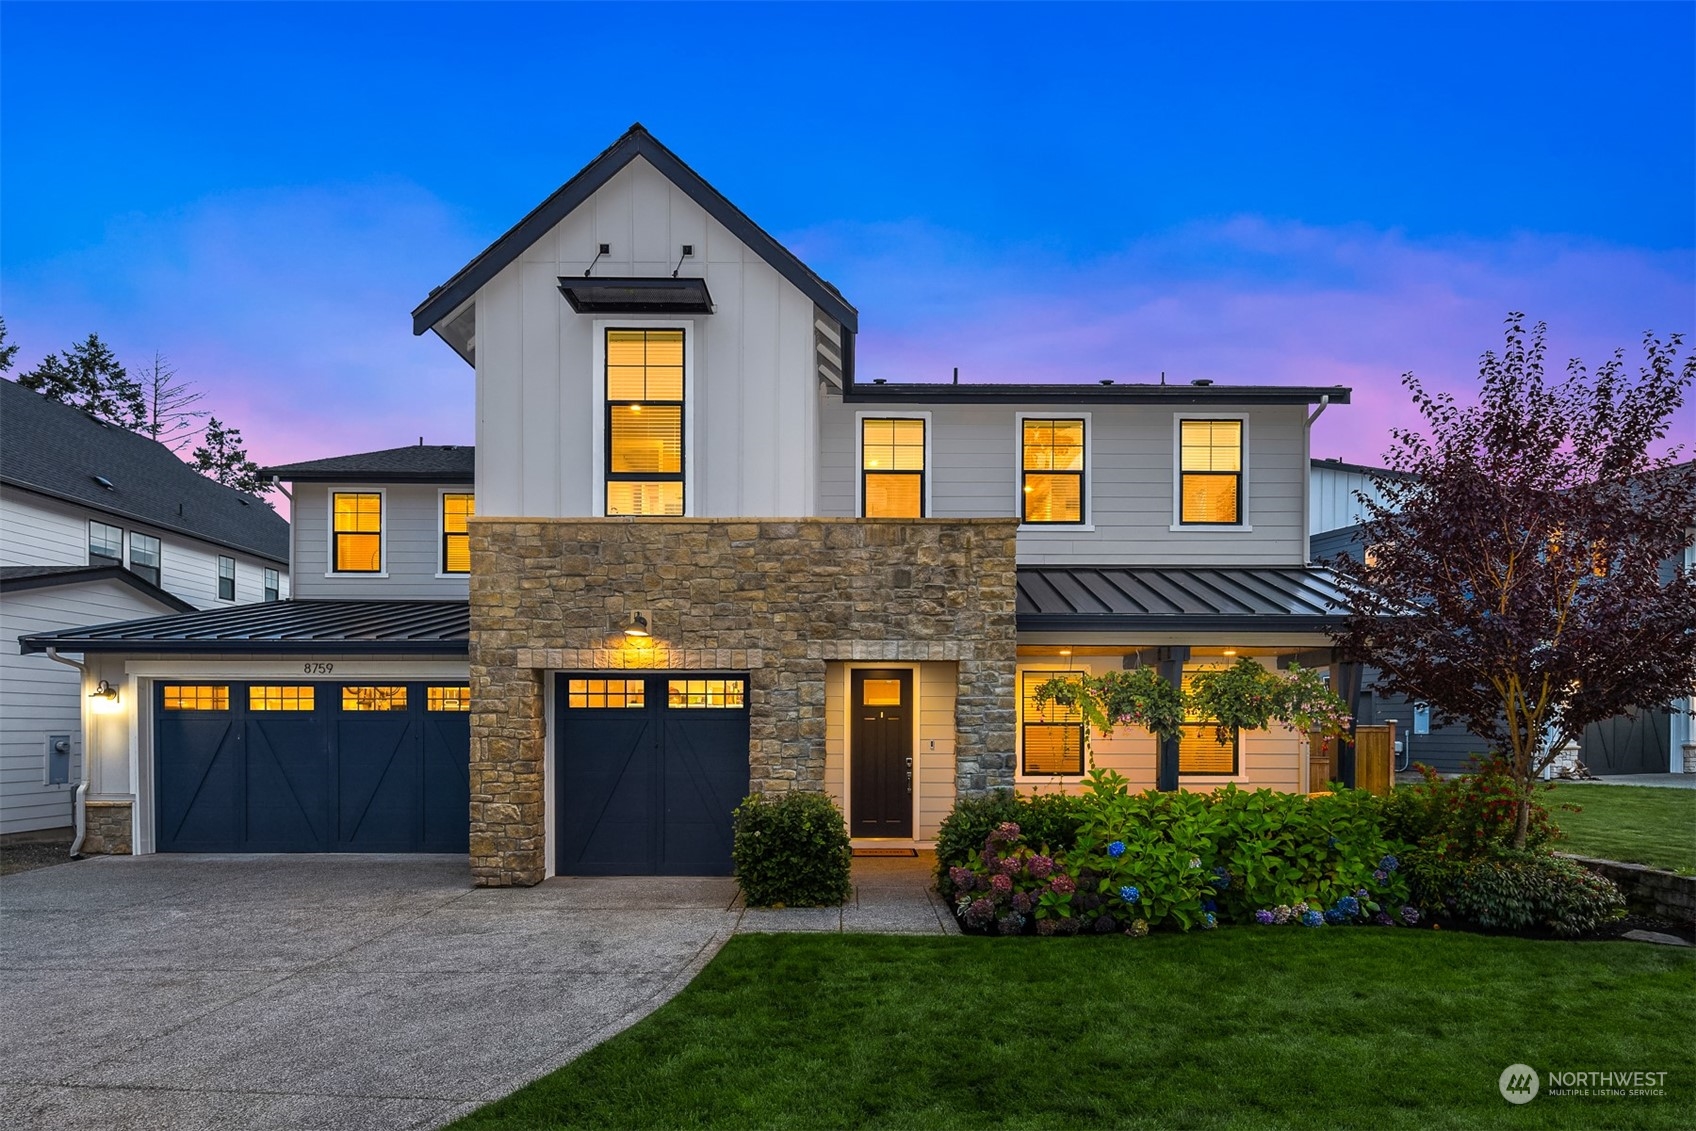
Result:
[357,531]
[644,422]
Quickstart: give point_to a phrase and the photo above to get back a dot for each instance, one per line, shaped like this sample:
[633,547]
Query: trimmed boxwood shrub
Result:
[792,851]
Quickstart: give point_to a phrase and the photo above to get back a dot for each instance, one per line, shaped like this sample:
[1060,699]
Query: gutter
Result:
[79,804]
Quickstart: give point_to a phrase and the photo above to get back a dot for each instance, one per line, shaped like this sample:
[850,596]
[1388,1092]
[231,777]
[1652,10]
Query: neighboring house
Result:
[98,524]
[705,557]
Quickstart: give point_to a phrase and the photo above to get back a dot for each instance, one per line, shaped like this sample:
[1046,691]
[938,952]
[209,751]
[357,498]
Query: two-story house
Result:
[706,558]
[101,524]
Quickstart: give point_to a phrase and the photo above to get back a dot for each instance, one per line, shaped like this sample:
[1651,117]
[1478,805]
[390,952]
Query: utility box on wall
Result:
[58,760]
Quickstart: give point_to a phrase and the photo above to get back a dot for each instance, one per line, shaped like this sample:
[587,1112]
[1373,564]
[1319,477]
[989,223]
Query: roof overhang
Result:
[636,295]
[145,519]
[82,575]
[292,627]
[1099,393]
[1198,599]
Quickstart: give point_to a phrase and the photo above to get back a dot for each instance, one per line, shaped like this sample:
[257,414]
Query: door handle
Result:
[909,776]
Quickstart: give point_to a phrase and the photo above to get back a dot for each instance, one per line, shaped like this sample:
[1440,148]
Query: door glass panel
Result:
[705,693]
[374,698]
[196,697]
[280,698]
[449,698]
[606,693]
[880,693]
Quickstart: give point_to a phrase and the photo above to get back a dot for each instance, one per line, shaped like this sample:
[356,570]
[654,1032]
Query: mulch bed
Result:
[25,852]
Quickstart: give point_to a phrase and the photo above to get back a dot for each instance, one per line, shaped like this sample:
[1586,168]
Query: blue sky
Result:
[1279,193]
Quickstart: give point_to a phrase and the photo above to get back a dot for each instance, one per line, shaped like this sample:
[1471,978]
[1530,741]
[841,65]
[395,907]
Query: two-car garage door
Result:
[312,767]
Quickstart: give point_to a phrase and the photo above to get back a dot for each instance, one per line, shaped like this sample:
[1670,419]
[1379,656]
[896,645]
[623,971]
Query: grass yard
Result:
[1244,1027]
[1638,824]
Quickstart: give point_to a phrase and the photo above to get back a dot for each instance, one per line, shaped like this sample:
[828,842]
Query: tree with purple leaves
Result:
[1524,571]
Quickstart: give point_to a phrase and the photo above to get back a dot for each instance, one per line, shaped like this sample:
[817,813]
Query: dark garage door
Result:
[312,767]
[650,769]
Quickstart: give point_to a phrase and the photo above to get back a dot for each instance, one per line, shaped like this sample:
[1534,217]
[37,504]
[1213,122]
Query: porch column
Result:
[1169,661]
[1346,678]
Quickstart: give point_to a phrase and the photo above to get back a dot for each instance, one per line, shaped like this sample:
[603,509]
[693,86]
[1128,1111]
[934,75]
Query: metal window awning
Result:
[636,296]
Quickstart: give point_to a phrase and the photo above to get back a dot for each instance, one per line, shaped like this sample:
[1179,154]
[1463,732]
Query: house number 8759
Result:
[320,669]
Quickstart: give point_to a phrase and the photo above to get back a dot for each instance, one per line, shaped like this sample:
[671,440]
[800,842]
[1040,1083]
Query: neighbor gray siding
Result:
[411,545]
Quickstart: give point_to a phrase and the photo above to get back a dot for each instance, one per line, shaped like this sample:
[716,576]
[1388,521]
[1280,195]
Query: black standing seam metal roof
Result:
[15,579]
[64,453]
[422,463]
[312,626]
[636,142]
[1177,598]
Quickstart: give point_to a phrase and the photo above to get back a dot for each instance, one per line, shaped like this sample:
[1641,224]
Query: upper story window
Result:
[226,578]
[105,544]
[357,532]
[1051,476]
[144,556]
[1051,737]
[644,422]
[1210,472]
[892,467]
[273,585]
[456,539]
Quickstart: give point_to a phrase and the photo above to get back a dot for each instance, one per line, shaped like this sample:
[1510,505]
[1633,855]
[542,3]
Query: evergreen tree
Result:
[223,458]
[89,376]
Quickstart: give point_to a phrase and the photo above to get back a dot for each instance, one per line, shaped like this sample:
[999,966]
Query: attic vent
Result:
[103,481]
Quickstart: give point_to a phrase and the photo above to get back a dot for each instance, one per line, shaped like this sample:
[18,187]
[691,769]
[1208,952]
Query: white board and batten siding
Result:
[1130,473]
[411,550]
[40,697]
[750,366]
[933,751]
[1334,496]
[36,530]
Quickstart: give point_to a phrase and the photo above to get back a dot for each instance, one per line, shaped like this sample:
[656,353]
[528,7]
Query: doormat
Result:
[886,852]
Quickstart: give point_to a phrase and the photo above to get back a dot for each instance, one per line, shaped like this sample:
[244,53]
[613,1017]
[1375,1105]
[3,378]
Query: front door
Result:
[880,757]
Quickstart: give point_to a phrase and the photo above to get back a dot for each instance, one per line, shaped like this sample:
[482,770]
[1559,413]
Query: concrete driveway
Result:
[319,991]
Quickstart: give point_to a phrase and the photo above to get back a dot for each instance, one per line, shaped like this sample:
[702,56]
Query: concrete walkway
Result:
[347,991]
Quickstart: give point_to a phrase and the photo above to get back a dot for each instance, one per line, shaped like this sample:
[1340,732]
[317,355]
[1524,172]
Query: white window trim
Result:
[88,541]
[129,554]
[848,670]
[263,588]
[1243,496]
[234,572]
[442,493]
[1019,775]
[330,530]
[860,457]
[1088,512]
[598,407]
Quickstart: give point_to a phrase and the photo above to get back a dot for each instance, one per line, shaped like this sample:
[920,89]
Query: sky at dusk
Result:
[1271,194]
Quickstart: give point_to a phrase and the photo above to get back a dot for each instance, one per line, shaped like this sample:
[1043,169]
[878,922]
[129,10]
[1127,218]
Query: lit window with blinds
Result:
[374,698]
[1051,471]
[197,697]
[1210,472]
[1051,737]
[456,539]
[1199,748]
[644,422]
[260,698]
[892,468]
[357,531]
[614,694]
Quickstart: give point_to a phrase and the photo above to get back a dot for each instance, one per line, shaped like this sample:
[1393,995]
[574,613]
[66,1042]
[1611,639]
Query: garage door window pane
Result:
[196,697]
[705,693]
[449,698]
[374,698]
[614,693]
[280,698]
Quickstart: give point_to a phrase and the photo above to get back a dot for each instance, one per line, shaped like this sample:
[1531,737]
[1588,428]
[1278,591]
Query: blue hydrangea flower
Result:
[1264,917]
[1129,894]
[1380,875]
[1209,921]
[1349,906]
[1389,863]
[1312,919]
[1116,849]
[1333,842]
[1209,905]
[1332,915]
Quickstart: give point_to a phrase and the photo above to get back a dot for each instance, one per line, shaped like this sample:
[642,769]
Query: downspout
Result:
[1324,403]
[79,803]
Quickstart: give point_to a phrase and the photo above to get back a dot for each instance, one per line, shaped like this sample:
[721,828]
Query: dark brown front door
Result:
[880,756]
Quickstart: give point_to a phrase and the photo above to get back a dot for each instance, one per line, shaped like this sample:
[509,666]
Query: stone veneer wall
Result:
[1649,891]
[106,829]
[777,598]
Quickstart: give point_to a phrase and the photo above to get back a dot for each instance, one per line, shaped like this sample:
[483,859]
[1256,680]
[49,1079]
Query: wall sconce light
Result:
[638,626]
[106,694]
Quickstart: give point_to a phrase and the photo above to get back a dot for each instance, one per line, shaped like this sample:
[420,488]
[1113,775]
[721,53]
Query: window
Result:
[144,557]
[374,698]
[644,422]
[273,585]
[196,697]
[727,693]
[280,698]
[1210,472]
[1051,737]
[456,542]
[606,693]
[226,578]
[1051,471]
[892,468]
[358,532]
[1199,748]
[105,544]
[448,698]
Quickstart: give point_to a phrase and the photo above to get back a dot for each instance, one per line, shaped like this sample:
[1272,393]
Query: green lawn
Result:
[1243,1027]
[1634,823]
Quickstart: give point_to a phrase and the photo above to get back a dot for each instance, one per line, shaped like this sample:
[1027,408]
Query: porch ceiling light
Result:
[638,626]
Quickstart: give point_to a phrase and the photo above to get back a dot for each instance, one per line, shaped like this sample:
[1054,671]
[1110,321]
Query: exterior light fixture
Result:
[1230,651]
[106,694]
[637,628]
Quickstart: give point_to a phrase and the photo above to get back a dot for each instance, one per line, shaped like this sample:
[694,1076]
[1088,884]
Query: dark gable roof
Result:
[57,450]
[636,142]
[1177,598]
[408,627]
[421,463]
[14,579]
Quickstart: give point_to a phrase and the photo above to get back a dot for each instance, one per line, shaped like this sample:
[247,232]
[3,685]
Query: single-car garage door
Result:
[650,770]
[312,767]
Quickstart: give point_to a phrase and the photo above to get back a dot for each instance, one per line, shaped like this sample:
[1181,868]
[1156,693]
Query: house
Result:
[99,524]
[696,554]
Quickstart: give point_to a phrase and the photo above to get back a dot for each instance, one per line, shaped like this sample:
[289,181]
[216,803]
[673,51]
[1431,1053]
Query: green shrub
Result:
[1467,817]
[1514,891]
[792,851]
[1046,820]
